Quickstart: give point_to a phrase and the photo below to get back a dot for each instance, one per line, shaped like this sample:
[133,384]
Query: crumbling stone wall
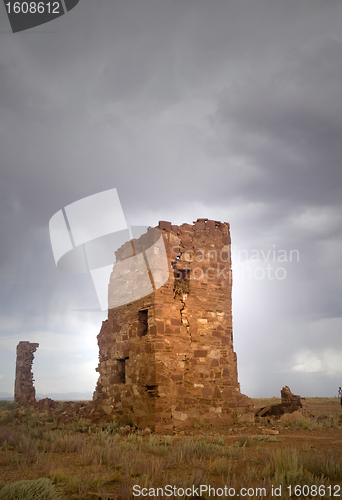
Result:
[167,359]
[24,391]
[289,404]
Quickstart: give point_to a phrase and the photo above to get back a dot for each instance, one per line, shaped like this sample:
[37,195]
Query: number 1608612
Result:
[314,491]
[33,7]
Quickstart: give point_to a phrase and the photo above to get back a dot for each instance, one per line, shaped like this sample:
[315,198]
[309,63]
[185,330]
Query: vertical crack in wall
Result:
[184,318]
[181,289]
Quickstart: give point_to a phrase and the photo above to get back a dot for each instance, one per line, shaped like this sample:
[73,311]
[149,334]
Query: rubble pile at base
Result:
[289,404]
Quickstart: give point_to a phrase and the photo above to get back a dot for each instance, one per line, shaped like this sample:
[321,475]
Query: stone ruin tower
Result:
[24,391]
[166,355]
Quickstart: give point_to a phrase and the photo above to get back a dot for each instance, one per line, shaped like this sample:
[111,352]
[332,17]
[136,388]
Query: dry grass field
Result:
[300,454]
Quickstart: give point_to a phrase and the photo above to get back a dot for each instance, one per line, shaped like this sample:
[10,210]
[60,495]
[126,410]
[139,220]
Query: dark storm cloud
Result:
[143,61]
[289,127]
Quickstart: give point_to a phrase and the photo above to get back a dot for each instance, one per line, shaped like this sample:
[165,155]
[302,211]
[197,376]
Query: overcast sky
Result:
[225,109]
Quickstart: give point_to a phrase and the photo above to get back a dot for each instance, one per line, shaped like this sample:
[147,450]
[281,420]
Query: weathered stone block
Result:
[200,354]
[165,225]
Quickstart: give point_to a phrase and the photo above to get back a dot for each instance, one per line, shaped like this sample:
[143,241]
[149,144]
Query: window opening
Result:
[143,323]
[122,370]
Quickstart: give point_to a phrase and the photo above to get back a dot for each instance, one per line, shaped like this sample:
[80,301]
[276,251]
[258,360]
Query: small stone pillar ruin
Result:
[24,391]
[166,356]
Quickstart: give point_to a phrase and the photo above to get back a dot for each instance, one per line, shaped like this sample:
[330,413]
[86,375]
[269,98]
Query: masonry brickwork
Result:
[24,391]
[167,359]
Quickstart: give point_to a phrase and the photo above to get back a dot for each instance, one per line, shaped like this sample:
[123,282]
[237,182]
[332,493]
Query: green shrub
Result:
[153,441]
[261,437]
[320,465]
[244,441]
[7,405]
[232,451]
[288,466]
[167,441]
[304,423]
[38,489]
[220,466]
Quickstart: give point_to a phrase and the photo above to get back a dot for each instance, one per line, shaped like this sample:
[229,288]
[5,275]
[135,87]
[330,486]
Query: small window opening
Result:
[182,281]
[143,323]
[121,370]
